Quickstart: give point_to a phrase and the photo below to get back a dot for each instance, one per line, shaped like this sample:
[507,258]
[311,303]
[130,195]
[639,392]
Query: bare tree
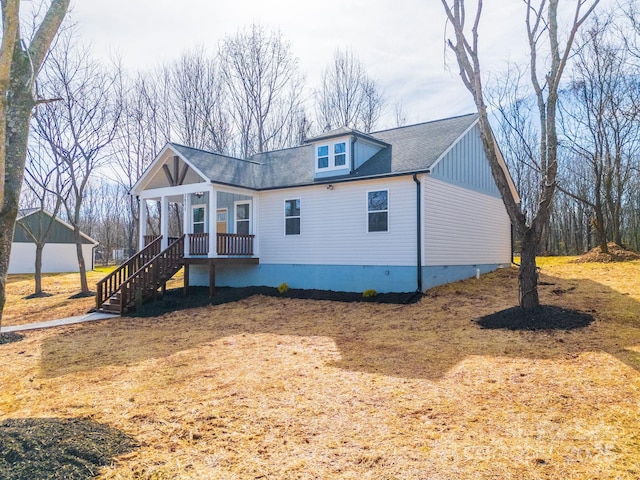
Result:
[264,88]
[43,183]
[399,114]
[20,63]
[347,95]
[198,102]
[601,123]
[541,24]
[78,128]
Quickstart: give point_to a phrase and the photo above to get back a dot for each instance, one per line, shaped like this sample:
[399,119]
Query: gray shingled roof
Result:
[411,149]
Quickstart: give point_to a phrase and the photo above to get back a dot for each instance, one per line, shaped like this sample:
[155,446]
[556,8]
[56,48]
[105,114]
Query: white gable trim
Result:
[156,165]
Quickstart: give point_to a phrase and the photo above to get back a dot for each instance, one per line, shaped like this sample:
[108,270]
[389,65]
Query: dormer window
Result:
[340,156]
[323,156]
[332,156]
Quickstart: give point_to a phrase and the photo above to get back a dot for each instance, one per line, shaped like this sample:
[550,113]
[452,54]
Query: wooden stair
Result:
[128,286]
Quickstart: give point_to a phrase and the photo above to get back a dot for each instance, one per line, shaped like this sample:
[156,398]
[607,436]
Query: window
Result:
[198,216]
[339,157]
[243,218]
[331,156]
[323,156]
[292,217]
[378,211]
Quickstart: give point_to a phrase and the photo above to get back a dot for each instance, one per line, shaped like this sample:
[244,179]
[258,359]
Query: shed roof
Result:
[63,233]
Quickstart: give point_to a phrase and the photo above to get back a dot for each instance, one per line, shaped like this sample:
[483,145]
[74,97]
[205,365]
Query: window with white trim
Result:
[332,156]
[292,217]
[340,154]
[378,211]
[243,218]
[198,217]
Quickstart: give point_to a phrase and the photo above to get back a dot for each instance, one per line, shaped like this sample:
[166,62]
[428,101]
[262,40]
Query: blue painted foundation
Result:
[344,278]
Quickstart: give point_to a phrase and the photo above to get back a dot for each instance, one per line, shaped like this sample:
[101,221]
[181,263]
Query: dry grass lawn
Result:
[20,309]
[270,388]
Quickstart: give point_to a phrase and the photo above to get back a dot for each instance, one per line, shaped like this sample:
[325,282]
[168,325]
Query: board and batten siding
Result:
[334,225]
[464,227]
[466,165]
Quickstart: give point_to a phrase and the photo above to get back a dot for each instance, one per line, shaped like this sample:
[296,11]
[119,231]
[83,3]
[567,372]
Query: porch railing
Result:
[198,243]
[144,283]
[226,244]
[112,282]
[150,238]
[235,244]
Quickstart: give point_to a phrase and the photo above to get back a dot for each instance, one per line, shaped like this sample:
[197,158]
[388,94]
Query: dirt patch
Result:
[57,448]
[616,254]
[10,338]
[546,317]
[199,297]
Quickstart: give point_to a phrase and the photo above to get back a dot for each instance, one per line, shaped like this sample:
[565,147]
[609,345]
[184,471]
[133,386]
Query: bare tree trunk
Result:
[18,115]
[528,273]
[84,285]
[38,269]
[18,69]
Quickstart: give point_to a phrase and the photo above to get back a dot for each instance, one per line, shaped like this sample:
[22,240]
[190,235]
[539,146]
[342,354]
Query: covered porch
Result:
[216,223]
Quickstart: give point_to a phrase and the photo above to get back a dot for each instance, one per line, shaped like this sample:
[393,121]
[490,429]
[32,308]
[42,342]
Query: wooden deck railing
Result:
[226,244]
[235,244]
[150,238]
[144,283]
[110,284]
[198,243]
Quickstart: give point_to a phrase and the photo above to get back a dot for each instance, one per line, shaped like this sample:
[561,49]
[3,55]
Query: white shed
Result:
[59,254]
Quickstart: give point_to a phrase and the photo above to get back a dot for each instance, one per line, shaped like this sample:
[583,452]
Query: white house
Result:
[398,210]
[59,253]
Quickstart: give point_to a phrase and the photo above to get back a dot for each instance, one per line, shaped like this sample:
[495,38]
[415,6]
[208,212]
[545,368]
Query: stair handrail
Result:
[115,279]
[149,274]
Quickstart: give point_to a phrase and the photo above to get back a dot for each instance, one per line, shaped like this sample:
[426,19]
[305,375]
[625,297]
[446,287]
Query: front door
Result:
[221,220]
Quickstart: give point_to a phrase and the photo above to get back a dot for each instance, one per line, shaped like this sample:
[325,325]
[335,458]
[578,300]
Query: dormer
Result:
[340,152]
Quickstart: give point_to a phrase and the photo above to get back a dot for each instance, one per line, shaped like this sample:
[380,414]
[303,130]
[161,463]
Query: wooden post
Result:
[123,298]
[212,278]
[99,295]
[186,277]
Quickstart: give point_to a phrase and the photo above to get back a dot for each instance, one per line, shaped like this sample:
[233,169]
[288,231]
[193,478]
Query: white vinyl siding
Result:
[56,257]
[335,225]
[463,227]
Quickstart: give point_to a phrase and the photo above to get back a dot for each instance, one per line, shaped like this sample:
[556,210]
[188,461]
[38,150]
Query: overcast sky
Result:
[400,42]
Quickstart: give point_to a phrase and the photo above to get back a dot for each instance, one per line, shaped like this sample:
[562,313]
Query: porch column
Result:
[213,217]
[142,222]
[186,222]
[164,222]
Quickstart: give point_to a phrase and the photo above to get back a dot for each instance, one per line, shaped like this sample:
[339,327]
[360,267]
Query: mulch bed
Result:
[10,338]
[545,317]
[199,297]
[58,448]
